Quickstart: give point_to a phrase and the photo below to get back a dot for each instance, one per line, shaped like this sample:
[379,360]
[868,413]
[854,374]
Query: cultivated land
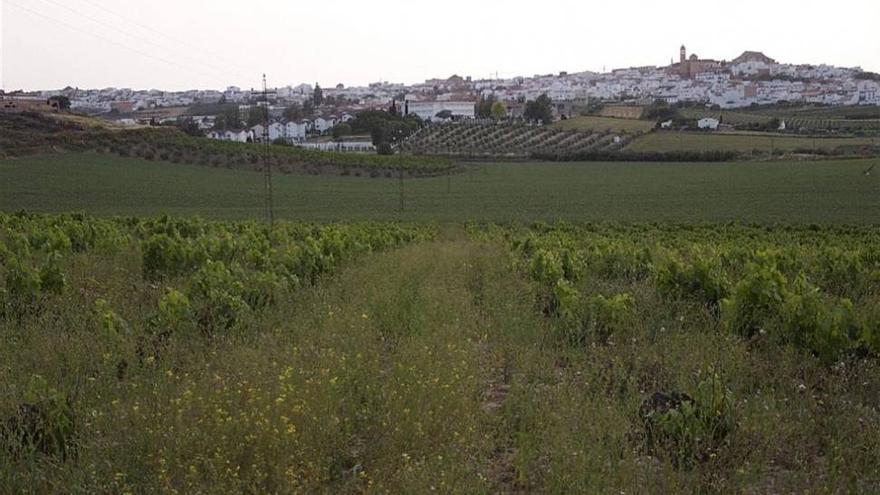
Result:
[800,192]
[606,124]
[741,142]
[695,328]
[508,141]
[177,355]
[804,120]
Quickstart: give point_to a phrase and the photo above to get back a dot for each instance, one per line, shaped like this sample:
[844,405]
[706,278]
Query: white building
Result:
[428,110]
[296,131]
[708,123]
[322,124]
[277,130]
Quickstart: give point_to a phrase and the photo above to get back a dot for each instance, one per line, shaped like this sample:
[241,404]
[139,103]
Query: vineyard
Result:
[508,141]
[837,125]
[817,291]
[757,144]
[183,355]
[606,124]
[795,121]
[22,135]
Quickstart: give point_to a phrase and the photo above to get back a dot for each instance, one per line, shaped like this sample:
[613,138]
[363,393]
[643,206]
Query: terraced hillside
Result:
[514,141]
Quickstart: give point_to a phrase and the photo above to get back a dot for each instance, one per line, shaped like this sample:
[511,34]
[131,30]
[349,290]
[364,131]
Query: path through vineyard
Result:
[440,324]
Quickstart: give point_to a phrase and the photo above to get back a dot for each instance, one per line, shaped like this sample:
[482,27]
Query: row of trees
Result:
[386,128]
[539,110]
[491,108]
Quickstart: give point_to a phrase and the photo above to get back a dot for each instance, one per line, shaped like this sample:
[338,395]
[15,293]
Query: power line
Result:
[270,207]
[156,31]
[111,41]
[219,70]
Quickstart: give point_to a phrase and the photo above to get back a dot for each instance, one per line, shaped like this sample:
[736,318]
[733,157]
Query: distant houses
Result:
[431,110]
[283,130]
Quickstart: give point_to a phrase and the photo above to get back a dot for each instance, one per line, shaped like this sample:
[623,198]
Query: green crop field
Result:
[605,124]
[795,120]
[822,191]
[732,117]
[741,142]
[176,355]
[686,328]
[833,112]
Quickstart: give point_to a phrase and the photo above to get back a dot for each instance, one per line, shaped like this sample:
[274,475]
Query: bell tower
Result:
[684,54]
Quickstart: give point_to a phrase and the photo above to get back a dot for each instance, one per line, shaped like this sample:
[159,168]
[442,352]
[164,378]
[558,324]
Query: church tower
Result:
[684,54]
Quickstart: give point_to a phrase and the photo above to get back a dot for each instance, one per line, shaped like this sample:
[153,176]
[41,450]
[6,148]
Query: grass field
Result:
[178,355]
[742,142]
[824,191]
[843,112]
[434,367]
[732,117]
[818,120]
[605,124]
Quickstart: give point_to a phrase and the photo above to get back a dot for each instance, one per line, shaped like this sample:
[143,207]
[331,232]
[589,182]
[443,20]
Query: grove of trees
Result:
[539,110]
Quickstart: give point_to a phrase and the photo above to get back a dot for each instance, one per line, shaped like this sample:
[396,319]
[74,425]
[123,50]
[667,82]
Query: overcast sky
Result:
[184,44]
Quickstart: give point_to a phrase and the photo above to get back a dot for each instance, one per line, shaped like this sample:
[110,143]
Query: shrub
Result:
[546,268]
[45,423]
[825,328]
[870,334]
[687,429]
[701,279]
[618,261]
[755,301]
[605,315]
[596,317]
[164,256]
[52,280]
[217,297]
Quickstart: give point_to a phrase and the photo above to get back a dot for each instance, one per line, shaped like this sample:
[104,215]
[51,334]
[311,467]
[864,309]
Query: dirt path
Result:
[436,322]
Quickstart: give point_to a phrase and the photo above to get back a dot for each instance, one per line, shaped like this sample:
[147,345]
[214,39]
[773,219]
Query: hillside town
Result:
[750,79]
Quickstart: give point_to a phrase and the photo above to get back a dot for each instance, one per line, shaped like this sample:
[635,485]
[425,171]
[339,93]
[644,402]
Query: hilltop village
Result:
[297,111]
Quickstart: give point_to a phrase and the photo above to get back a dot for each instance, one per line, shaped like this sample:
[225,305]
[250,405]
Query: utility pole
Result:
[401,190]
[267,167]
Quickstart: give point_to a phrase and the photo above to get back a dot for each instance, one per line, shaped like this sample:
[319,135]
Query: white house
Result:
[428,110]
[277,130]
[322,124]
[296,131]
[708,123]
[257,131]
[237,136]
[234,136]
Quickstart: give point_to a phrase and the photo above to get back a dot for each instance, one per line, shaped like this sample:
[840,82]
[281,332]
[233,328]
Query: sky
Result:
[212,44]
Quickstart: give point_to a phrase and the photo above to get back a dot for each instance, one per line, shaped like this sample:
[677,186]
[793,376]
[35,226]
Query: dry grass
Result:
[606,124]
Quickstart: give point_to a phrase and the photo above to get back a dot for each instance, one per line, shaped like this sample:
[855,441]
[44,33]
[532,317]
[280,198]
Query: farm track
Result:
[423,298]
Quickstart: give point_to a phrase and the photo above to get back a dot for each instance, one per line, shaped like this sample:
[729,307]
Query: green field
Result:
[732,117]
[741,142]
[838,113]
[175,355]
[606,124]
[823,191]
[649,344]
[806,120]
